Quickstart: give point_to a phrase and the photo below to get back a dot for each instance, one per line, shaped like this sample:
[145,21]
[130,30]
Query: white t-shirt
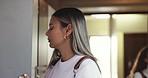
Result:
[87,69]
[139,75]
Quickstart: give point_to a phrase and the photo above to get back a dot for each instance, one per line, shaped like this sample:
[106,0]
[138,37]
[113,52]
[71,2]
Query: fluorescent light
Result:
[100,16]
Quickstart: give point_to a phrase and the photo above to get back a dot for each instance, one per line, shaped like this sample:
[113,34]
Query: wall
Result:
[124,23]
[34,37]
[43,42]
[120,36]
[15,37]
[97,26]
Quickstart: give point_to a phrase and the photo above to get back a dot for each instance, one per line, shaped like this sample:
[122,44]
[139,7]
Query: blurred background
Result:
[117,29]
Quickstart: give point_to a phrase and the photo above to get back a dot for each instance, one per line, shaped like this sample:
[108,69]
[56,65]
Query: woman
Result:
[140,66]
[68,35]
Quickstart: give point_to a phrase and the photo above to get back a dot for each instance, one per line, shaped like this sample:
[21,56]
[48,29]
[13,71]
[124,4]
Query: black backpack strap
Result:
[77,65]
[143,76]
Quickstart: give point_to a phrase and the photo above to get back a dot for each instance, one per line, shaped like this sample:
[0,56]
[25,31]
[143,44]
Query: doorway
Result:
[116,27]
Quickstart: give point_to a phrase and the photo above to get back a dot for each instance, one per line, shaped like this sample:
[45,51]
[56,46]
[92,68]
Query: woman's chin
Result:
[51,46]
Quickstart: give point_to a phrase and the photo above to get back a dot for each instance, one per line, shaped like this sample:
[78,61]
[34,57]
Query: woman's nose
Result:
[47,33]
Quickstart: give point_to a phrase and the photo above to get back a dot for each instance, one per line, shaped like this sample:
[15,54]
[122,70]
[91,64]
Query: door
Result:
[133,43]
[44,52]
[15,37]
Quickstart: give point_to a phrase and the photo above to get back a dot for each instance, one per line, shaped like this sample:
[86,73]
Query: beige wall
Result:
[120,37]
[97,26]
[123,23]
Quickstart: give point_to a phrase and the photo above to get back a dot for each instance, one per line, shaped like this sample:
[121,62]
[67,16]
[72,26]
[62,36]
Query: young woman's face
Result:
[55,33]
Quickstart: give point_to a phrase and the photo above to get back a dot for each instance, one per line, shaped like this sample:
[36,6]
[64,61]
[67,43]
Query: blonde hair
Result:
[134,68]
[79,38]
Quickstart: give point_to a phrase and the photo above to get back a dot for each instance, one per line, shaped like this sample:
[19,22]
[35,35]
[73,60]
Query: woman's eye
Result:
[50,26]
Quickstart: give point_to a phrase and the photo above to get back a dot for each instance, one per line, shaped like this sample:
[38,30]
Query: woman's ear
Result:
[69,29]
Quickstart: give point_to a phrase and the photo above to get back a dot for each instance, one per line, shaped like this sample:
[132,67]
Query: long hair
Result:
[79,37]
[139,63]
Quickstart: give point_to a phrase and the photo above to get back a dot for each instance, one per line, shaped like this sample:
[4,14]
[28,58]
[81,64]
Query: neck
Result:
[67,57]
[66,50]
[66,53]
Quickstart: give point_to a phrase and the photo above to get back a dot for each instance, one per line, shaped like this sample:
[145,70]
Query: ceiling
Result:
[103,6]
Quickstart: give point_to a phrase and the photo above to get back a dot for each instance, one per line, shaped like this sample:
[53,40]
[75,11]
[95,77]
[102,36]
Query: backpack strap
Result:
[77,65]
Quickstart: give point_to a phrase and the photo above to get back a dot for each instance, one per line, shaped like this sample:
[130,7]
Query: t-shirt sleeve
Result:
[137,75]
[88,69]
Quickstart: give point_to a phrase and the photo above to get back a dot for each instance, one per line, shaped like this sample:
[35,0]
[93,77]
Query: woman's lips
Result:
[48,40]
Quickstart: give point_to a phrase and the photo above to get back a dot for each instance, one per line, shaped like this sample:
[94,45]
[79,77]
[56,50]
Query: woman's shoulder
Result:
[88,62]
[86,66]
[137,75]
[84,61]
